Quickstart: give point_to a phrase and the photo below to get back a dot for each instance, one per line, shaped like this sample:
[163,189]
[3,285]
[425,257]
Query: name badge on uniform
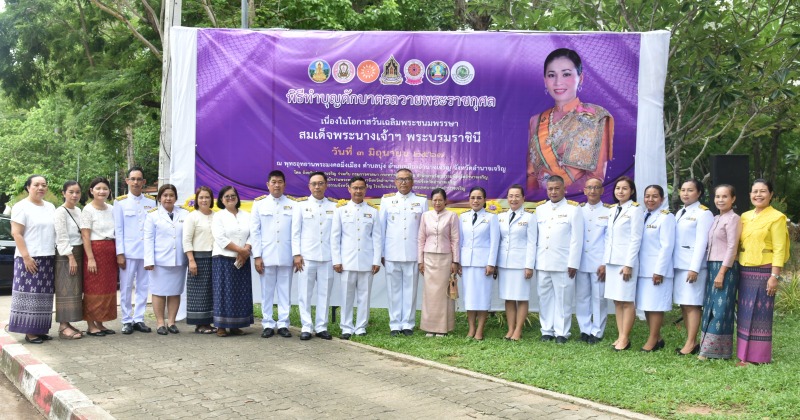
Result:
[603,217]
[651,227]
[626,216]
[691,219]
[562,215]
[414,204]
[522,224]
[368,215]
[287,207]
[329,212]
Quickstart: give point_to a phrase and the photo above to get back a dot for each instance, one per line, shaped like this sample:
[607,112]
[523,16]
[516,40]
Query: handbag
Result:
[452,289]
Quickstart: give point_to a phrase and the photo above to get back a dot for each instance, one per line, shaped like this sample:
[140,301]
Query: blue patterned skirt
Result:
[199,293]
[32,297]
[716,340]
[233,293]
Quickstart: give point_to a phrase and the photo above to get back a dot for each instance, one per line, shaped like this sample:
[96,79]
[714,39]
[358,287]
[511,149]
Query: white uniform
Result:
[271,237]
[591,310]
[479,245]
[311,239]
[129,215]
[691,238]
[356,244]
[623,239]
[517,252]
[655,257]
[400,216]
[163,248]
[558,248]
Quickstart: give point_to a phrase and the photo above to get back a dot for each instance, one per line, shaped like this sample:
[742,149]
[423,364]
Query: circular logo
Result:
[437,72]
[343,71]
[368,71]
[319,71]
[413,71]
[463,73]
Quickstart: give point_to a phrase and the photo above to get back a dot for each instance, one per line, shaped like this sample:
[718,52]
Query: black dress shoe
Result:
[394,333]
[628,347]
[695,350]
[96,333]
[267,333]
[162,330]
[592,340]
[127,328]
[561,340]
[585,337]
[408,332]
[36,340]
[659,345]
[597,339]
[284,332]
[109,332]
[173,329]
[324,335]
[345,336]
[141,327]
[546,338]
[305,336]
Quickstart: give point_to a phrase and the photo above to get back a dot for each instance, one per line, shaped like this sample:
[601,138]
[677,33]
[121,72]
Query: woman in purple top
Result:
[716,340]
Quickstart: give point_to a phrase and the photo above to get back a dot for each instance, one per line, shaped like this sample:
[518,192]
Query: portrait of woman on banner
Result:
[573,139]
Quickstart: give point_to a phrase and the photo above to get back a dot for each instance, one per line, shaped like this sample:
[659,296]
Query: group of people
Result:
[576,255]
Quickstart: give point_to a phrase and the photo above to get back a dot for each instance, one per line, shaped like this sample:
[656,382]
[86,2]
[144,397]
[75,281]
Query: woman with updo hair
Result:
[69,261]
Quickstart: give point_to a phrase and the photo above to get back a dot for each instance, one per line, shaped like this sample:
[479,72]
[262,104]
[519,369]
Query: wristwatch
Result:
[778,277]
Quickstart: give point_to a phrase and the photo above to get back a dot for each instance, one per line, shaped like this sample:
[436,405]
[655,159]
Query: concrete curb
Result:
[48,391]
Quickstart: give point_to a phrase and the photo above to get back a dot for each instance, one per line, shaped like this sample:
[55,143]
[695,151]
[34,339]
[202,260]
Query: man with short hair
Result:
[311,246]
[271,238]
[130,212]
[558,256]
[356,252]
[590,304]
[400,215]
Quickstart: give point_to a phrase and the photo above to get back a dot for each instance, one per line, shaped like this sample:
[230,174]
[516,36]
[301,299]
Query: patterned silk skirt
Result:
[438,310]
[69,288]
[199,293]
[32,297]
[754,317]
[100,288]
[716,340]
[233,293]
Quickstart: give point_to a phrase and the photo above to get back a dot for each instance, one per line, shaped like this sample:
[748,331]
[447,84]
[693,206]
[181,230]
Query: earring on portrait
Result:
[546,93]
[580,87]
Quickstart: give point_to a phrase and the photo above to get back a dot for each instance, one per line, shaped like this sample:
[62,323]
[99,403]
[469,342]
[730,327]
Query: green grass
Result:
[660,383]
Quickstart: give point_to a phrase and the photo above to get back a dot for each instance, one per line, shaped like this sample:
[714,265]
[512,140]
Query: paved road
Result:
[203,376]
[13,403]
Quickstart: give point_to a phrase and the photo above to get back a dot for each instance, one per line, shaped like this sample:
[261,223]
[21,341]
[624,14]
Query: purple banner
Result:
[456,108]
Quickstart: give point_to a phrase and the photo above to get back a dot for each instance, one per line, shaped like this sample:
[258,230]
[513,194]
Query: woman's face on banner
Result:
[562,80]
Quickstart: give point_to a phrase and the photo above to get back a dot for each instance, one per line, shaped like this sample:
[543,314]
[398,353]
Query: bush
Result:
[787,300]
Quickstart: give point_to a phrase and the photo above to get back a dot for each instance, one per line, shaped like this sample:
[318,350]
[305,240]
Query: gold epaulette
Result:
[122,197]
[539,203]
[530,210]
[152,210]
[373,206]
[332,200]
[301,199]
[260,197]
[665,211]
[572,203]
[608,206]
[702,207]
[290,197]
[421,195]
[583,204]
[340,204]
[613,205]
[149,196]
[389,194]
[635,204]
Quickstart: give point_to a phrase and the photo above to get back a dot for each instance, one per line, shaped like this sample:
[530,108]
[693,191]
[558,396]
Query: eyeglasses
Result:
[136,179]
[592,188]
[358,188]
[404,180]
[230,197]
[317,184]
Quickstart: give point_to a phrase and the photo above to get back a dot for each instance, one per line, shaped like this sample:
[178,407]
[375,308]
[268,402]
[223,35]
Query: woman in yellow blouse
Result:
[763,250]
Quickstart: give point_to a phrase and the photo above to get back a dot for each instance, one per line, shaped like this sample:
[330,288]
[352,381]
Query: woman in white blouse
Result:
[100,271]
[230,273]
[69,261]
[33,286]
[621,259]
[198,243]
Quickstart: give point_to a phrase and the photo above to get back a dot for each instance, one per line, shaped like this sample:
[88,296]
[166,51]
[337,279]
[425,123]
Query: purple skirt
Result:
[754,318]
[32,297]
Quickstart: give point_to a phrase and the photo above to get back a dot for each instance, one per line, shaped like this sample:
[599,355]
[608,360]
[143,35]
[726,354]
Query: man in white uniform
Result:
[271,238]
[130,212]
[356,251]
[590,305]
[558,256]
[400,214]
[311,246]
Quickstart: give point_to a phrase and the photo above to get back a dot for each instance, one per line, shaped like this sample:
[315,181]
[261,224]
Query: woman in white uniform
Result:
[163,254]
[480,237]
[516,260]
[654,288]
[621,258]
[693,222]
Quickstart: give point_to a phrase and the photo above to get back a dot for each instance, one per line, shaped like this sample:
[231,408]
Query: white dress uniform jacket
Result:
[624,234]
[658,242]
[163,238]
[477,248]
[129,216]
[691,237]
[560,236]
[400,216]
[356,241]
[517,240]
[595,222]
[271,230]
[311,228]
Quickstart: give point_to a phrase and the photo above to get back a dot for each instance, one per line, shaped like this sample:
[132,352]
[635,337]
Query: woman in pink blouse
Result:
[716,340]
[438,241]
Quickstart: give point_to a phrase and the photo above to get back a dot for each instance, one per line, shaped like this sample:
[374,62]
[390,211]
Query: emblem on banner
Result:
[463,73]
[391,72]
[368,71]
[413,72]
[437,72]
[319,71]
[343,71]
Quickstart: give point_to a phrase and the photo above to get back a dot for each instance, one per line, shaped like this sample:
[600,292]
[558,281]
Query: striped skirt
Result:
[32,297]
[69,288]
[233,293]
[199,293]
[100,288]
[716,339]
[754,317]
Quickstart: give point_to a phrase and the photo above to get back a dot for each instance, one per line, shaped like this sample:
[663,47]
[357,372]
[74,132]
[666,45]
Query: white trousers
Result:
[276,278]
[401,285]
[133,275]
[556,291]
[356,286]
[591,309]
[319,274]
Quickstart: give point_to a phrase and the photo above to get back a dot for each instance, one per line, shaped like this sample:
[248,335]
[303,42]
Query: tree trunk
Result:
[251,12]
[129,148]
[757,158]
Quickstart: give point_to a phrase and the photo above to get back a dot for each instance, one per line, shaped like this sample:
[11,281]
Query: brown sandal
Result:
[221,332]
[74,334]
